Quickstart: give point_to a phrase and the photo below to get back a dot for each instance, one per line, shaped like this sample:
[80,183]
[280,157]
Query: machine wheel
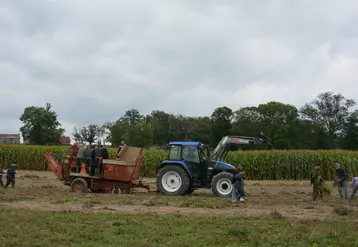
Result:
[79,185]
[173,180]
[221,184]
[116,191]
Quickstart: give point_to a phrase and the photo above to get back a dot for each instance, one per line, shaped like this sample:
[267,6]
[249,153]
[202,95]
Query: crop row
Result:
[272,165]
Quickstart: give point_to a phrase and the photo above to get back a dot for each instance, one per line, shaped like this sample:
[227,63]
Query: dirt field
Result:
[44,195]
[43,191]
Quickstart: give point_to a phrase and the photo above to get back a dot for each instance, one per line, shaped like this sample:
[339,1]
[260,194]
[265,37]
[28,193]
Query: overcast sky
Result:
[92,60]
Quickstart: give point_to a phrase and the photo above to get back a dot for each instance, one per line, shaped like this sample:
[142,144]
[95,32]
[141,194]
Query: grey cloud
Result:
[95,59]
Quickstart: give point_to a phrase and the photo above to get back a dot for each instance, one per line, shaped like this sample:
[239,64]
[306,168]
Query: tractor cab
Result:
[191,155]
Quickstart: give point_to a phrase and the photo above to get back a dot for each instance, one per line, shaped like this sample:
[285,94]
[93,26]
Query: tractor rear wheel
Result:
[172,180]
[221,184]
[79,185]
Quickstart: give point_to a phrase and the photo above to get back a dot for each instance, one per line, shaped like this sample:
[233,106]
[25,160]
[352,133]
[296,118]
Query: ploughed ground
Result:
[42,191]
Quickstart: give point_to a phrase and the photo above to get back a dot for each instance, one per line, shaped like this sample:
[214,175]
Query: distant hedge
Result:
[272,165]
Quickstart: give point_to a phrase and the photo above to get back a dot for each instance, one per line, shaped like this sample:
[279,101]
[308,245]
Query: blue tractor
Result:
[190,166]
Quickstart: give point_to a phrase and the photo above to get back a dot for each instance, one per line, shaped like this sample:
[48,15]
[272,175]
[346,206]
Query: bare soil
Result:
[42,191]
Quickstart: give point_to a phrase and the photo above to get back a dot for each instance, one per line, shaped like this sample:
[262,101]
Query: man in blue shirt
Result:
[238,186]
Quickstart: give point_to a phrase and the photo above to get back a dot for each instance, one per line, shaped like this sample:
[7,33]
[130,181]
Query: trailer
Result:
[97,172]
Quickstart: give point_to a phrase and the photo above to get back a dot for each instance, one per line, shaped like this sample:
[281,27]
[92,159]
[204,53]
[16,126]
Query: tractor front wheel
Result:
[221,184]
[79,185]
[172,180]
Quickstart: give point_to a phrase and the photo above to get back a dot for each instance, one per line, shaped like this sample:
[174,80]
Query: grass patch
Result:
[63,201]
[342,211]
[73,229]
[92,202]
[195,202]
[276,215]
[7,196]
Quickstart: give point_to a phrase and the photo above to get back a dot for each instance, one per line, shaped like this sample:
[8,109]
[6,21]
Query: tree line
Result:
[327,122]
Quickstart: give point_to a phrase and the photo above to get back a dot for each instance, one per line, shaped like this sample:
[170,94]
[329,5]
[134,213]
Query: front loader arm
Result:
[226,143]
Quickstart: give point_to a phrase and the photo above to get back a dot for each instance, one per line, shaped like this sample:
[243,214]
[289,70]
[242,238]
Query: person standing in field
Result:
[10,175]
[341,179]
[317,182]
[354,187]
[238,186]
[1,173]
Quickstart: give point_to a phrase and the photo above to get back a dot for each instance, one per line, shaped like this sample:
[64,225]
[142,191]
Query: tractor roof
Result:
[197,144]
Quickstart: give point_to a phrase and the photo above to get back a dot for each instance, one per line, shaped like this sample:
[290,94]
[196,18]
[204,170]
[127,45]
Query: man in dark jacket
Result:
[238,186]
[1,173]
[342,177]
[10,175]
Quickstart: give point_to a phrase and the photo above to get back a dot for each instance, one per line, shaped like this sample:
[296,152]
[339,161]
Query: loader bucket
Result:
[54,164]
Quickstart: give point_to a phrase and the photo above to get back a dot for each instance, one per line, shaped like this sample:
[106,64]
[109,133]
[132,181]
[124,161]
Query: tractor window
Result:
[190,153]
[204,153]
[174,153]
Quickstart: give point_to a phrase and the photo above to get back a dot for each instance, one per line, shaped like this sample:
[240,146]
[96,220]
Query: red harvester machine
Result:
[99,174]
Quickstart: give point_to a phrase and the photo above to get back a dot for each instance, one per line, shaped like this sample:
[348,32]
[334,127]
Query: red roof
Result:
[65,140]
[8,136]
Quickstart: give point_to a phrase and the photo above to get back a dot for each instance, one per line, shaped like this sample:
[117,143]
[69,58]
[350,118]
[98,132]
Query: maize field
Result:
[272,165]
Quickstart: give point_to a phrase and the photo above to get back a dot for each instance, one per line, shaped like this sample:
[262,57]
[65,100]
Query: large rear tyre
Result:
[79,185]
[221,184]
[172,180]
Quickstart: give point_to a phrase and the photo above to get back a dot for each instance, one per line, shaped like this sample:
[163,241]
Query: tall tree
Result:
[221,123]
[41,125]
[275,119]
[90,133]
[132,129]
[350,132]
[329,111]
[200,130]
[161,126]
[77,135]
[131,117]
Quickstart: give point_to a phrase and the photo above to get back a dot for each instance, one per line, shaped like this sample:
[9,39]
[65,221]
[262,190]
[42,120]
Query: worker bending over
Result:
[341,175]
[238,186]
[354,187]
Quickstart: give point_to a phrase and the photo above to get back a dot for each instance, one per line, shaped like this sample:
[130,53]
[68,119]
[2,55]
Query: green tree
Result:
[330,112]
[275,119]
[41,125]
[161,125]
[117,133]
[131,117]
[91,134]
[220,123]
[200,130]
[132,129]
[350,132]
[77,135]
